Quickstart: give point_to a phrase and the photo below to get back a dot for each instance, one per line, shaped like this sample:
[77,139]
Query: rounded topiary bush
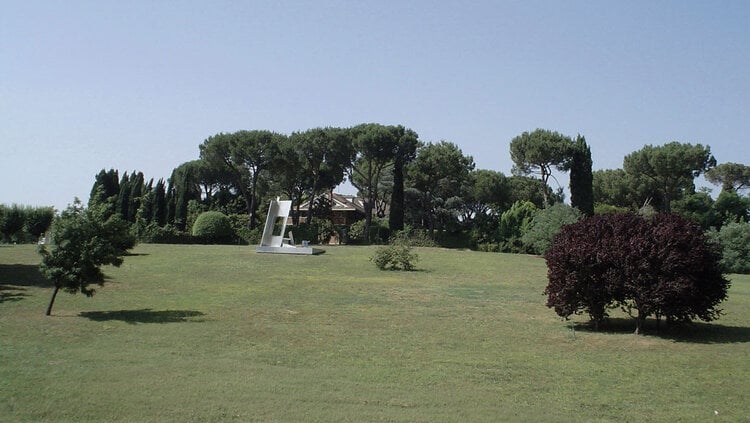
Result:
[213,227]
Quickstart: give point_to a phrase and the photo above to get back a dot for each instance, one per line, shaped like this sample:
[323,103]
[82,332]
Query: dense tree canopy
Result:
[326,155]
[538,152]
[242,156]
[731,176]
[662,266]
[670,169]
[438,173]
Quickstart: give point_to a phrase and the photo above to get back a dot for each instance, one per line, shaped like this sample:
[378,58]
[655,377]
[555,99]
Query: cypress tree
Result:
[146,209]
[159,214]
[106,187]
[123,199]
[405,153]
[581,177]
[136,191]
[170,203]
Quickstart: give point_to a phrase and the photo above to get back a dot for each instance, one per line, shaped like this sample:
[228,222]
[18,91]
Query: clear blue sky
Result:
[140,84]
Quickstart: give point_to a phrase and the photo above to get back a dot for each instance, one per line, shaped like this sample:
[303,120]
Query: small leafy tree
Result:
[83,240]
[662,266]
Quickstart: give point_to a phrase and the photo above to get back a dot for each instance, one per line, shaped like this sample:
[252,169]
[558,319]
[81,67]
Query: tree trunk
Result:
[396,218]
[249,205]
[639,322]
[51,301]
[368,214]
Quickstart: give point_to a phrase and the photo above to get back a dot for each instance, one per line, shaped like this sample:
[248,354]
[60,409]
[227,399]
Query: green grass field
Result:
[219,333]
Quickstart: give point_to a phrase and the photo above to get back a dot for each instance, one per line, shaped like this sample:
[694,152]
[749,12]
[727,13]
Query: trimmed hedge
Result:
[213,227]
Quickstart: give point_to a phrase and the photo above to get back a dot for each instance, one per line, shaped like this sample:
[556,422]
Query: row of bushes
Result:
[534,231]
[24,224]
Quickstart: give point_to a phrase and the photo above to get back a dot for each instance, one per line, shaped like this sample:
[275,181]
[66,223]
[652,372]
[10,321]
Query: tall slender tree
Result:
[406,151]
[375,147]
[581,177]
[159,214]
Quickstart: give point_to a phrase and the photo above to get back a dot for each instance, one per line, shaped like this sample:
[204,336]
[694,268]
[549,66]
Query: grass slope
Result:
[219,333]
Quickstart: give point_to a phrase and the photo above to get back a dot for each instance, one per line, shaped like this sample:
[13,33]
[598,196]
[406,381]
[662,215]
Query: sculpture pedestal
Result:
[288,249]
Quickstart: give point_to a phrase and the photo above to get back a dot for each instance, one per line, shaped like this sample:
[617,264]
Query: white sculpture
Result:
[273,240]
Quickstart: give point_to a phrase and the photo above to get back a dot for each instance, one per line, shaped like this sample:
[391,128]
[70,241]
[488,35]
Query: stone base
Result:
[289,249]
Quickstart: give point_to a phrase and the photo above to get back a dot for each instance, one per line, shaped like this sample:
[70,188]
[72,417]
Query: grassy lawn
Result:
[219,333]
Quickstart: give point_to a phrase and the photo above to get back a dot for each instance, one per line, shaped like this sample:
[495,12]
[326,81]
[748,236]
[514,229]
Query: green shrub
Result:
[394,257]
[243,234]
[379,232]
[167,234]
[545,224]
[514,222]
[734,239]
[356,232]
[213,227]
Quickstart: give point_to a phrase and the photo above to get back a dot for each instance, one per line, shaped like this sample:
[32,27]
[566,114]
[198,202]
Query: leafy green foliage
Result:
[22,224]
[611,188]
[547,223]
[83,240]
[731,207]
[241,158]
[406,151]
[538,152]
[379,232]
[438,173]
[213,227]
[669,170]
[397,255]
[731,176]
[662,266]
[11,222]
[699,208]
[38,220]
[734,239]
[581,177]
[318,231]
[514,222]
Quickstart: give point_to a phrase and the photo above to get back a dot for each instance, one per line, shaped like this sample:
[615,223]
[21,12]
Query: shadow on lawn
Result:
[145,315]
[15,275]
[695,332]
[14,278]
[11,296]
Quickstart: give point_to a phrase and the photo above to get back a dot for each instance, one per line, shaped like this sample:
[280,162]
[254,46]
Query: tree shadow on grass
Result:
[145,315]
[15,275]
[5,295]
[694,332]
